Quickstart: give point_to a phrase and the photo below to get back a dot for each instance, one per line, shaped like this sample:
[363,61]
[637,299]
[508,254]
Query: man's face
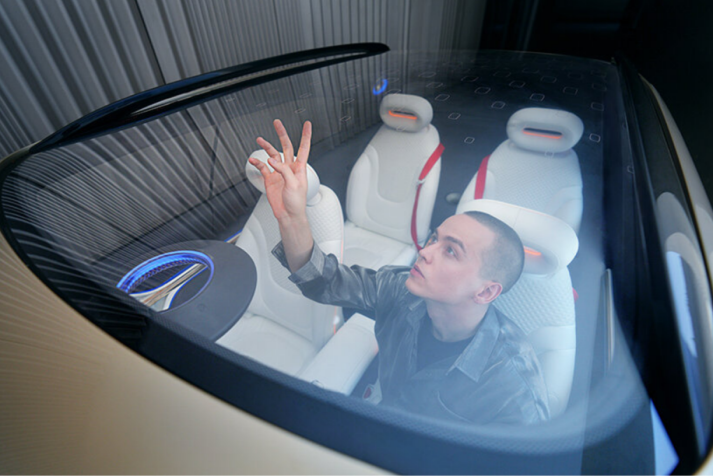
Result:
[448,267]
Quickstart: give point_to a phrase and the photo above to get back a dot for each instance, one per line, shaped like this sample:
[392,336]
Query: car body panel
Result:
[75,400]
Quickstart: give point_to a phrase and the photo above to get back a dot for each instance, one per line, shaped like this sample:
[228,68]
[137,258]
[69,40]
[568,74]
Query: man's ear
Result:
[488,293]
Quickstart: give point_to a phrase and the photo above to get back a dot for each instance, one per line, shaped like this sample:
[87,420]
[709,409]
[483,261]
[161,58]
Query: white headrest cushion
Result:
[544,130]
[405,112]
[550,243]
[255,177]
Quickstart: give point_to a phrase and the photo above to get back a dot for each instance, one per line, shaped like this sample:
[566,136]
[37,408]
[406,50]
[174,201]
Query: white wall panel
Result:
[63,60]
[193,37]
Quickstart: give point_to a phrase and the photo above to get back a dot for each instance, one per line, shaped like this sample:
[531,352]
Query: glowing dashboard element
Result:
[380,87]
[160,263]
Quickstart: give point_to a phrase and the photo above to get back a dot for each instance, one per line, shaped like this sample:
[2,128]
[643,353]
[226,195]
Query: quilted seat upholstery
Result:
[542,301]
[282,328]
[382,186]
[536,166]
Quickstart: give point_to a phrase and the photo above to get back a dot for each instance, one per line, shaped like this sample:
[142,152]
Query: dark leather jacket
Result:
[497,378]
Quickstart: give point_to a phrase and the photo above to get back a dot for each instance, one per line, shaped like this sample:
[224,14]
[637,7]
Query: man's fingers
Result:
[284,141]
[267,147]
[261,166]
[284,170]
[305,143]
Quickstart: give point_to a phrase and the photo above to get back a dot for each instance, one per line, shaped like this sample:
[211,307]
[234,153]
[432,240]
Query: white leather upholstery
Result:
[270,343]
[405,112]
[536,167]
[544,130]
[542,304]
[282,328]
[382,185]
[373,250]
[341,363]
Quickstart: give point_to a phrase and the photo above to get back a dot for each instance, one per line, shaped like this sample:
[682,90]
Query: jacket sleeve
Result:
[325,280]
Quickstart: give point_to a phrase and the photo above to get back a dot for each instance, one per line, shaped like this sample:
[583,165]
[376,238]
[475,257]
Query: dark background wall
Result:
[673,48]
[669,42]
[63,59]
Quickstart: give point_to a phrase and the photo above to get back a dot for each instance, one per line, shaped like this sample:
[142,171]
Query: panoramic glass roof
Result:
[140,209]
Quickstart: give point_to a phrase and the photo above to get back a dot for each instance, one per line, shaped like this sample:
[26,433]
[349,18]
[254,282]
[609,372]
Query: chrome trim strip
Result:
[607,289]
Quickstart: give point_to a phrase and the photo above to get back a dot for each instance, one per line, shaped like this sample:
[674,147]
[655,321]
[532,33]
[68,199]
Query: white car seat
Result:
[281,328]
[383,183]
[542,301]
[536,167]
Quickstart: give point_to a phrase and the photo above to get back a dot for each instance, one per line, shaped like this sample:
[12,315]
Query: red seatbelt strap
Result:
[480,180]
[426,169]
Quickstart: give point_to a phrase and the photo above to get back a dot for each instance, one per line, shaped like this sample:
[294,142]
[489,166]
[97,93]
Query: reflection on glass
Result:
[665,454]
[105,204]
[681,280]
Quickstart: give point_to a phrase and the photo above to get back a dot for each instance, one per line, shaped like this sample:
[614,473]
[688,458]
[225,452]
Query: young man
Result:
[444,351]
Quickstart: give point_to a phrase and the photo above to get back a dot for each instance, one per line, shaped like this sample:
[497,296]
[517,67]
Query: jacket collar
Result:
[474,359]
[414,303]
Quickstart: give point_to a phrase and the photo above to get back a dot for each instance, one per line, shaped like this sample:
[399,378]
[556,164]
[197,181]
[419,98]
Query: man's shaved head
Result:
[504,261]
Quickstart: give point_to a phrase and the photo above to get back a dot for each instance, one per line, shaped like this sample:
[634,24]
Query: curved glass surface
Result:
[85,214]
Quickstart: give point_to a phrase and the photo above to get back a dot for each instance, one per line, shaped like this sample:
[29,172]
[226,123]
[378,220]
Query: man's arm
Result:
[286,190]
[325,280]
[319,277]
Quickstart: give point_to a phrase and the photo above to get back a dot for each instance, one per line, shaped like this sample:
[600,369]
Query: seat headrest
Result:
[255,177]
[544,130]
[550,243]
[405,112]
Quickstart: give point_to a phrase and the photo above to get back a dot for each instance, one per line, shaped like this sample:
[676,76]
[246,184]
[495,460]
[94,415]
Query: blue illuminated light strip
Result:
[160,263]
[169,280]
[234,236]
[380,87]
[181,272]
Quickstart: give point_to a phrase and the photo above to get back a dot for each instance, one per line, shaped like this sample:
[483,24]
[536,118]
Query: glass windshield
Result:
[162,224]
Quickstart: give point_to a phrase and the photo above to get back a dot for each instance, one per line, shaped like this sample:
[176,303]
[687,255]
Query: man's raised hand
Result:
[286,186]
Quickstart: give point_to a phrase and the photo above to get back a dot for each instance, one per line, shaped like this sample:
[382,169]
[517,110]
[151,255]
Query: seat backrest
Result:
[536,167]
[382,185]
[276,297]
[541,303]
